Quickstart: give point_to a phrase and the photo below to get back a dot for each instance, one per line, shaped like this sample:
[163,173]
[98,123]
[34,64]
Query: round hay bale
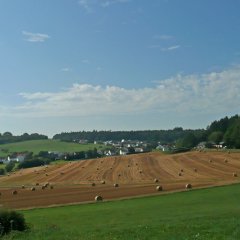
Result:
[140,171]
[46,174]
[37,184]
[136,164]
[225,160]
[98,198]
[234,174]
[188,186]
[195,170]
[156,180]
[180,174]
[102,182]
[62,173]
[33,189]
[51,187]
[119,175]
[115,185]
[128,165]
[14,192]
[97,168]
[181,170]
[93,184]
[82,166]
[23,186]
[210,160]
[159,188]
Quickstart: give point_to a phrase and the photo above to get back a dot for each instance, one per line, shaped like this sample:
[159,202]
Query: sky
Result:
[73,65]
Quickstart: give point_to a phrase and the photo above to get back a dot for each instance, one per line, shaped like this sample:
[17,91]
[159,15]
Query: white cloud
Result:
[163,37]
[89,5]
[85,61]
[215,92]
[171,48]
[107,3]
[66,69]
[86,4]
[35,37]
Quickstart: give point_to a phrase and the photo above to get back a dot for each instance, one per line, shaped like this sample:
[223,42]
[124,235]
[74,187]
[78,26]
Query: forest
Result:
[225,130]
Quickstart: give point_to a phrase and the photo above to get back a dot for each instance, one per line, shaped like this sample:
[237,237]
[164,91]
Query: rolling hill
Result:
[135,174]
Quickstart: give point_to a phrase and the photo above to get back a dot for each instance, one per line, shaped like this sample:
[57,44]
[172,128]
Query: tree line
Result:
[8,137]
[226,129]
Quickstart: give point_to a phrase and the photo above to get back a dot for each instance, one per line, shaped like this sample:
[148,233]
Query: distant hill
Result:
[36,146]
[8,137]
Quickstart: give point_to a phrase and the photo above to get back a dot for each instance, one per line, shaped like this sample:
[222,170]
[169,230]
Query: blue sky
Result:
[71,65]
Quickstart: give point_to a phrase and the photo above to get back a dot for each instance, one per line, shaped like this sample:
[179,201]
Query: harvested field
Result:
[135,175]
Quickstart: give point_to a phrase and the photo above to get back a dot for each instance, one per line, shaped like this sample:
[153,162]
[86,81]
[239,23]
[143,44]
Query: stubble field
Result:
[134,174]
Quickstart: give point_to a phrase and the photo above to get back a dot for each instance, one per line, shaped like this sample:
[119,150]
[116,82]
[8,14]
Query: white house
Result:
[123,151]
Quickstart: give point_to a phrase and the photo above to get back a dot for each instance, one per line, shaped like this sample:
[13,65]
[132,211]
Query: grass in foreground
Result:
[199,214]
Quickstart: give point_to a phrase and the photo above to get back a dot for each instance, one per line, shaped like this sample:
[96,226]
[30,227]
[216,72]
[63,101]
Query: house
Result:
[201,145]
[138,150]
[19,158]
[163,148]
[123,151]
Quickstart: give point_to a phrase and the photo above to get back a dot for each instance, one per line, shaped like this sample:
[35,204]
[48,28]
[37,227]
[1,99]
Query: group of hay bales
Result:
[15,192]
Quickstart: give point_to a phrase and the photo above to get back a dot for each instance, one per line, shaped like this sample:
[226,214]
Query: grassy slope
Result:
[201,214]
[36,146]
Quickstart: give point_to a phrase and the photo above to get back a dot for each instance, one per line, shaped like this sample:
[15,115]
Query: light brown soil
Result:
[135,174]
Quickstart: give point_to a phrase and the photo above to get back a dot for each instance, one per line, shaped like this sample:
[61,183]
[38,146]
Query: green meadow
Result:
[36,146]
[212,213]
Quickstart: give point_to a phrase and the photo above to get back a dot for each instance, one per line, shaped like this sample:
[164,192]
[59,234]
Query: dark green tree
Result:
[232,135]
[216,137]
[9,167]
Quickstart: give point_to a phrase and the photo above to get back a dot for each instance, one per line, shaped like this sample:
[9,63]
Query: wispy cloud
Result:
[85,61]
[88,5]
[164,49]
[171,48]
[66,69]
[162,37]
[214,92]
[85,4]
[35,37]
[108,3]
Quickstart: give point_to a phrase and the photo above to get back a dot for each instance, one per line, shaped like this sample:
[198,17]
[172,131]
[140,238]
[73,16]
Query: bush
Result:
[2,171]
[11,220]
[31,163]
[10,166]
